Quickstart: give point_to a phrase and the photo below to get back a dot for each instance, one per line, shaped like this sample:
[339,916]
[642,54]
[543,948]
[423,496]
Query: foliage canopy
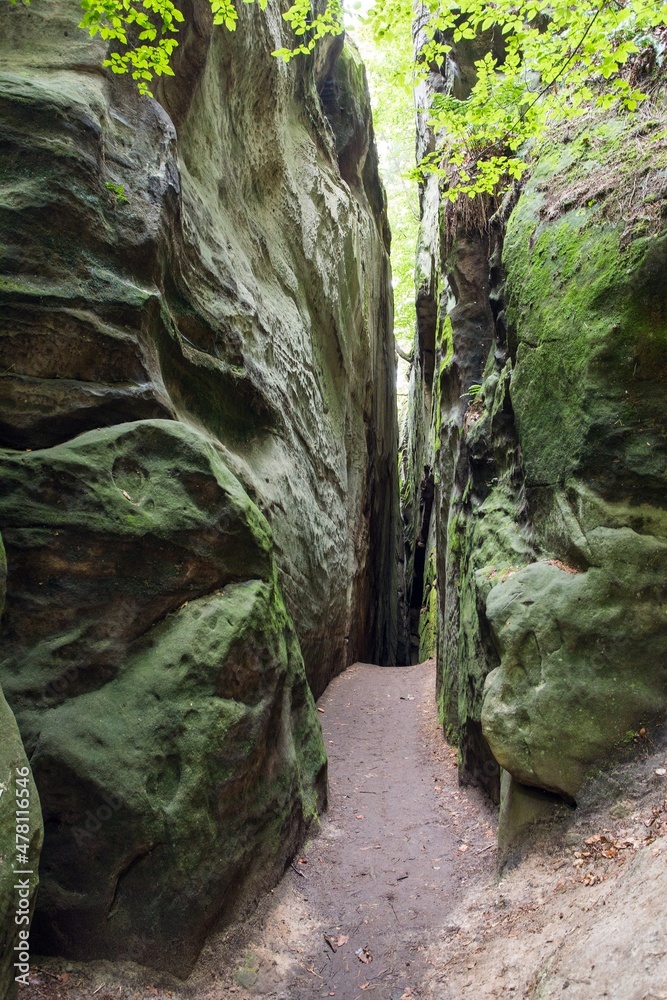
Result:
[541,61]
[146,31]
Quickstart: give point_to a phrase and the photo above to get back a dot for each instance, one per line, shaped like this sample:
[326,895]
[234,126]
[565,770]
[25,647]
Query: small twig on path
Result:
[98,989]
[294,868]
[307,968]
[487,848]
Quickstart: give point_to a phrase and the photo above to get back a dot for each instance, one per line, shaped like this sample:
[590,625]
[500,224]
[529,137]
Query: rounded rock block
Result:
[583,660]
[160,689]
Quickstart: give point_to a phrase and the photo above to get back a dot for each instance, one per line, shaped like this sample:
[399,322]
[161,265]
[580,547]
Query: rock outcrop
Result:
[159,686]
[540,399]
[198,420]
[21,834]
[583,642]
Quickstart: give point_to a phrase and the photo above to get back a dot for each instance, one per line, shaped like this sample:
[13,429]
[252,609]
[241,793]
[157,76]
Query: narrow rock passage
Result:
[369,894]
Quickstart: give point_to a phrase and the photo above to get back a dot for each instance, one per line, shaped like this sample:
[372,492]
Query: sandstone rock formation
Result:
[195,341]
[584,653]
[159,686]
[540,398]
[21,834]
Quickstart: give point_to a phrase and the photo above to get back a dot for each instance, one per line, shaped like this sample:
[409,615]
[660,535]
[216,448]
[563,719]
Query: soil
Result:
[398,896]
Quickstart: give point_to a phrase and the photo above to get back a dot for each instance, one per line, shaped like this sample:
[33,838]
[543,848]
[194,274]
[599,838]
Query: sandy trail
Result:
[397,896]
[366,896]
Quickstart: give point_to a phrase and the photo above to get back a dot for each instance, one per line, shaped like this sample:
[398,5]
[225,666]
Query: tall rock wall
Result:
[198,487]
[544,416]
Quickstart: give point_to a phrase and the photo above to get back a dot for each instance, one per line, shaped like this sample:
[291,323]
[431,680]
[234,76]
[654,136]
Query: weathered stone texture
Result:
[14,766]
[198,419]
[587,317]
[551,513]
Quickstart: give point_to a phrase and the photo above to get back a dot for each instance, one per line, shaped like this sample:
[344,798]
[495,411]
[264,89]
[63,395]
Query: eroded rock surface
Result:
[588,320]
[198,418]
[21,834]
[543,411]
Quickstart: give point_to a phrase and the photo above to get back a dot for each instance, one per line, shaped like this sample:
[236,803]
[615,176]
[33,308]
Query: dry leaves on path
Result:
[364,955]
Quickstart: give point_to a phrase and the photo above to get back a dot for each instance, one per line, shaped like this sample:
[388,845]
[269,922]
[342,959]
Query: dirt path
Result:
[398,843]
[398,897]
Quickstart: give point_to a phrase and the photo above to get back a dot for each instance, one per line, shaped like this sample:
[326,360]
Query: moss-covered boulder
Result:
[107,534]
[583,641]
[21,834]
[583,659]
[159,688]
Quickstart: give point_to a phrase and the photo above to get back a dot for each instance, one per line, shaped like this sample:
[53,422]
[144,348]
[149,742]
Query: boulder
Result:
[583,660]
[159,687]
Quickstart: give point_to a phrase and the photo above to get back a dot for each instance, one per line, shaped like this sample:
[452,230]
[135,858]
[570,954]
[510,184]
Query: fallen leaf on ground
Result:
[364,955]
[336,941]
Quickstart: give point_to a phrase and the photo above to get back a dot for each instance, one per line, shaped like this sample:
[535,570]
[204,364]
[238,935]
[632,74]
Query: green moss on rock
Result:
[19,850]
[582,639]
[428,617]
[588,306]
[485,541]
[159,686]
[583,659]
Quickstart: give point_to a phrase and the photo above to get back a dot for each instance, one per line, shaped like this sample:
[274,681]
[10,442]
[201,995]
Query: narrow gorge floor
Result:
[397,897]
[358,912]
